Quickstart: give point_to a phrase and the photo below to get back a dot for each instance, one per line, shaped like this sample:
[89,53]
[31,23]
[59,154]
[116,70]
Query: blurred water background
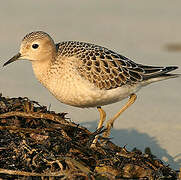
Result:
[141,30]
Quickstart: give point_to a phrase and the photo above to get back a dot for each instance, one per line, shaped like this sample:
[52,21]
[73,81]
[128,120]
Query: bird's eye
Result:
[35,46]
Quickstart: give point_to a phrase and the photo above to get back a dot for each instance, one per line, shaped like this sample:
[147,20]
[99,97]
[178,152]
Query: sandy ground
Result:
[138,29]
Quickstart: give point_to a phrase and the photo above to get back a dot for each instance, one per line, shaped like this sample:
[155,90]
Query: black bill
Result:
[14,58]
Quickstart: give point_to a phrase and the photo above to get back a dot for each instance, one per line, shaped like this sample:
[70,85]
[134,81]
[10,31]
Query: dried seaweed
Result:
[40,144]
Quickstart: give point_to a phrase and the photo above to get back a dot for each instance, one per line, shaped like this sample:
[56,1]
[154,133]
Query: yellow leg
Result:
[110,123]
[101,121]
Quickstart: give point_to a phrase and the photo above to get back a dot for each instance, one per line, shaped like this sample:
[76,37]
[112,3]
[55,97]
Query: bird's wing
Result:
[105,68]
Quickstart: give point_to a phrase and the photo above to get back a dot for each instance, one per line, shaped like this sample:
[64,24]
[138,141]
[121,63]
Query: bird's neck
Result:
[41,69]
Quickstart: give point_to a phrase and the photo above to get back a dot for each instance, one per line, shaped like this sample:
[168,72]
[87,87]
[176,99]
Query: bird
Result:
[86,75]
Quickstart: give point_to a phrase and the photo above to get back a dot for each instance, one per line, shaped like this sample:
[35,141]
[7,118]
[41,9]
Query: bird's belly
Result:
[81,93]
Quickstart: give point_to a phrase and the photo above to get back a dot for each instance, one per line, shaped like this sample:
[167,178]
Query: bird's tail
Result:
[155,74]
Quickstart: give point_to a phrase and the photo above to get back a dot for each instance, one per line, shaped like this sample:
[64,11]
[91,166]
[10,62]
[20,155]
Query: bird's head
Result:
[35,46]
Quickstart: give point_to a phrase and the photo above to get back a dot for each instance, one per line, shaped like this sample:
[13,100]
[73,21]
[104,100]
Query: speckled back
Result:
[103,67]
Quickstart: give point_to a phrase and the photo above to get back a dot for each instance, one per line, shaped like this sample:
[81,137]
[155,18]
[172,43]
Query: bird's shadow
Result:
[134,139]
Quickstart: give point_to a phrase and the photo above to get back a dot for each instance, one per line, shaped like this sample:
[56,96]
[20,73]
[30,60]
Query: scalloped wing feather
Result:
[107,69]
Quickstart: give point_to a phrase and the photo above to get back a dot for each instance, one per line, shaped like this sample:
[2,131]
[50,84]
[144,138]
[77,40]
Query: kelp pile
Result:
[40,144]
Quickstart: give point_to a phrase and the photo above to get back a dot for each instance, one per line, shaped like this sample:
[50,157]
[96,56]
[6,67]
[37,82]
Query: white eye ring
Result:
[35,46]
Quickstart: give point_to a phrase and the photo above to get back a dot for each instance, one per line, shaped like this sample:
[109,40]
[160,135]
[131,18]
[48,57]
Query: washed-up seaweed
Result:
[39,144]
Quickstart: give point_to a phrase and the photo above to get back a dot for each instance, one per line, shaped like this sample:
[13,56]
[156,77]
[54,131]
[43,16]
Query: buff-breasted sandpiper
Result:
[86,75]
